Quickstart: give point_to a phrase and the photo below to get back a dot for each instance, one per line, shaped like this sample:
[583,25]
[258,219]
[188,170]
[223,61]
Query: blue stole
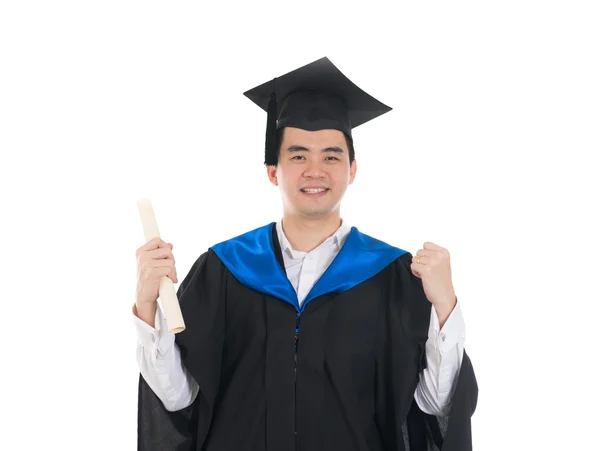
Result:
[251,259]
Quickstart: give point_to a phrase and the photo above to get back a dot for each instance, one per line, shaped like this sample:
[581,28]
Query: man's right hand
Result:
[154,261]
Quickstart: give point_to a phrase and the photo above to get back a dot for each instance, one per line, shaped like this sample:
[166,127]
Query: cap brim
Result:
[321,75]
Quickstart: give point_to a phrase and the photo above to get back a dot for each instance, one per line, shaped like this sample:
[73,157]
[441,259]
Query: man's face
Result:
[314,171]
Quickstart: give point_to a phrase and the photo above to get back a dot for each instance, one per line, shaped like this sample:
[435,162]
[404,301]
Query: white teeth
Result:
[314,190]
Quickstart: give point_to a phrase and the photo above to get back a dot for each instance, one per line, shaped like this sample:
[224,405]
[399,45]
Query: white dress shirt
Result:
[159,359]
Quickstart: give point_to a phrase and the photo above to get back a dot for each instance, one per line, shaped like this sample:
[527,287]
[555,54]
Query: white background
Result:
[489,151]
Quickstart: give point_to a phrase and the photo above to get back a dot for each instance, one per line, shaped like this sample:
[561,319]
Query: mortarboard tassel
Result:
[271,138]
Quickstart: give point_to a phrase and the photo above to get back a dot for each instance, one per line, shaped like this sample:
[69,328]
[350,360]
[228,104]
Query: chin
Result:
[317,211]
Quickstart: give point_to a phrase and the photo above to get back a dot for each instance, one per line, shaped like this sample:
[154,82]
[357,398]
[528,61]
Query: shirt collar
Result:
[337,239]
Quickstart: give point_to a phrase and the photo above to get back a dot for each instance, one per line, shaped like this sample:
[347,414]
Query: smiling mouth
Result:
[314,190]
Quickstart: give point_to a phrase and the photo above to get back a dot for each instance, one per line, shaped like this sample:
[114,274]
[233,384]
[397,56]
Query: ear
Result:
[352,172]
[272,174]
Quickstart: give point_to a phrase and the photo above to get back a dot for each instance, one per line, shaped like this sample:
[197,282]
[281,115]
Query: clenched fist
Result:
[154,261]
[432,266]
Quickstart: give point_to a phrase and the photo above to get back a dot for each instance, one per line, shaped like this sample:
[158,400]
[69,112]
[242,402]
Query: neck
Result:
[306,234]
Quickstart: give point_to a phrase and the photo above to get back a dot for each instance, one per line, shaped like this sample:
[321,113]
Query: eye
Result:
[297,157]
[332,158]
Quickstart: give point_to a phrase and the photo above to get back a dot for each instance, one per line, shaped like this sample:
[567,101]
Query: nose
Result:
[314,169]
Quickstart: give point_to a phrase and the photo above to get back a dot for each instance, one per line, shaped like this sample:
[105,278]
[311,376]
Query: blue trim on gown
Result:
[251,259]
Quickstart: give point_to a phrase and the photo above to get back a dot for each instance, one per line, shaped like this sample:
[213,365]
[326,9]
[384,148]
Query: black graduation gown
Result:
[337,374]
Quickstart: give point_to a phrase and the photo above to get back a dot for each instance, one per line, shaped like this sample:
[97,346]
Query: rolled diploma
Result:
[166,291]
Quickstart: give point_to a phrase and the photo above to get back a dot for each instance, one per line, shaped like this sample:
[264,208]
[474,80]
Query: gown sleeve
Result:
[202,300]
[403,424]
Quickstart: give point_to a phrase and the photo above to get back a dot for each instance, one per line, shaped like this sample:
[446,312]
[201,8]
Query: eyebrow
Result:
[333,149]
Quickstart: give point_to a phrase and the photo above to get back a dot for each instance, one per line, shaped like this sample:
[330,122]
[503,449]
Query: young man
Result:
[305,334]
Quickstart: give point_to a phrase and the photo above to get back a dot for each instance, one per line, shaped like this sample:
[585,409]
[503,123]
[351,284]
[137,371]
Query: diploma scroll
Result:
[166,291]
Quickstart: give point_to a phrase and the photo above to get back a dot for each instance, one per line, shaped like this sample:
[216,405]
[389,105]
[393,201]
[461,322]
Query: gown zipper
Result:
[296,337]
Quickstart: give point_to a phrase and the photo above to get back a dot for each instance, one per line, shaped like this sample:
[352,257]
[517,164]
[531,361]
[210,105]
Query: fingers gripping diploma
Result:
[167,295]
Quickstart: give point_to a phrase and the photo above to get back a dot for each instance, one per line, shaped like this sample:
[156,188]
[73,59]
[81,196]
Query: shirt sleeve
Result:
[159,361]
[444,352]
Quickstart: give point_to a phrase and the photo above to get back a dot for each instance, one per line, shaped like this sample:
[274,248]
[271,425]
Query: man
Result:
[305,334]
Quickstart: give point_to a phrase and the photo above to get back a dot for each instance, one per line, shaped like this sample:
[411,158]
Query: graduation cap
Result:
[314,97]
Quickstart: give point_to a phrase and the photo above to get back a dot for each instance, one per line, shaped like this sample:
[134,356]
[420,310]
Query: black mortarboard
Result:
[314,97]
